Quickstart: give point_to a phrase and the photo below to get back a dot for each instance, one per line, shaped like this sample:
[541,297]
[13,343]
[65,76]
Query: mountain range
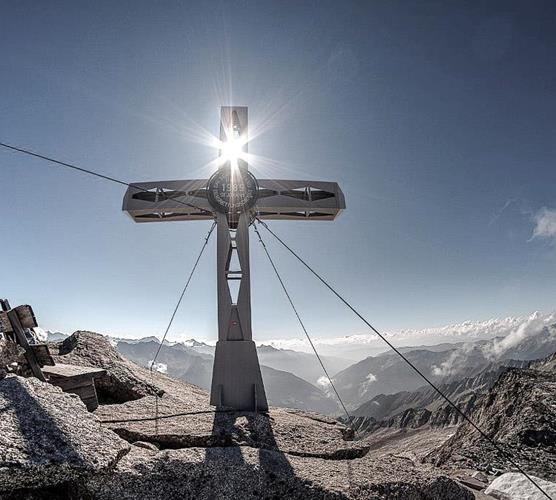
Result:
[295,379]
[361,345]
[388,373]
[414,409]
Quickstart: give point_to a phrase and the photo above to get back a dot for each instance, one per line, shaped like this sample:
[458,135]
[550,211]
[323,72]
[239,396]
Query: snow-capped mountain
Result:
[359,346]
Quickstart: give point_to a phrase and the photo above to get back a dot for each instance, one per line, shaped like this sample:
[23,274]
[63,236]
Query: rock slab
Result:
[514,485]
[48,437]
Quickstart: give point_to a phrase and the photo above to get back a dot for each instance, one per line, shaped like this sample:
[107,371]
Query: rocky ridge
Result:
[425,406]
[519,413]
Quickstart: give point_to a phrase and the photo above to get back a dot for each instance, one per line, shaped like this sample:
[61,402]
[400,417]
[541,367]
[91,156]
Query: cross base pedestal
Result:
[236,377]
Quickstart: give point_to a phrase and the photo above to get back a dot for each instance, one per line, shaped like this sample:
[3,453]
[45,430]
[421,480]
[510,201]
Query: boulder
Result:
[48,437]
[94,350]
[480,476]
[294,432]
[147,446]
[514,485]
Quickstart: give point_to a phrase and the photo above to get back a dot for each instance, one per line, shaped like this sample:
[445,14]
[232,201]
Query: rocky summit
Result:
[51,447]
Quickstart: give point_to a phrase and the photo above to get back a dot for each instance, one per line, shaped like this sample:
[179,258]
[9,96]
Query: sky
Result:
[437,119]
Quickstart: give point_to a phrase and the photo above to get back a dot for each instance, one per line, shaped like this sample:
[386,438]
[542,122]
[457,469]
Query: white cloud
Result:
[533,326]
[365,386]
[325,385]
[455,362]
[159,367]
[493,350]
[359,346]
[371,378]
[545,223]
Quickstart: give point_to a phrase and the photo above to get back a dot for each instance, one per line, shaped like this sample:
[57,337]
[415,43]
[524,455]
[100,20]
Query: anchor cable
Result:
[397,351]
[303,327]
[96,174]
[174,315]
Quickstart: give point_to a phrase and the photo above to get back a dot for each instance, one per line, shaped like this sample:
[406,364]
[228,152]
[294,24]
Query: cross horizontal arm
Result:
[160,201]
[277,199]
[298,200]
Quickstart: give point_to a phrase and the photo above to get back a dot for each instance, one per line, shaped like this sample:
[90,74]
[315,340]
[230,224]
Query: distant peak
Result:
[193,343]
[151,338]
[267,348]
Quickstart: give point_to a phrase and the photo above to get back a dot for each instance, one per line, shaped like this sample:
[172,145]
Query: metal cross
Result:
[234,198]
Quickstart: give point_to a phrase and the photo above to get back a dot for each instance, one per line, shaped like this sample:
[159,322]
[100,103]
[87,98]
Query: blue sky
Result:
[438,119]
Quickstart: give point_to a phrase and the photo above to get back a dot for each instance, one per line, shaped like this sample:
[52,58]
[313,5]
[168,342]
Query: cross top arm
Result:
[276,199]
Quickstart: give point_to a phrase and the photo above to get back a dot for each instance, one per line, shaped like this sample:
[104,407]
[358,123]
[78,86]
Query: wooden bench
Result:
[78,380]
[13,324]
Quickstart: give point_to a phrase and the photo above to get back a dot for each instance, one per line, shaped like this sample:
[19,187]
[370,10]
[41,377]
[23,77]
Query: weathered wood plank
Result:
[85,392]
[26,316]
[23,342]
[42,353]
[88,395]
[63,370]
[83,387]
[69,384]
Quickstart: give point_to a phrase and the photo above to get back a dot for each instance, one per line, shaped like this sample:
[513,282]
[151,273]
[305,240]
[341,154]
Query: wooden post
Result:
[6,328]
[19,333]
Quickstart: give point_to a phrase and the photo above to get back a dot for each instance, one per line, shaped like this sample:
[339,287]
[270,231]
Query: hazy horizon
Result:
[357,346]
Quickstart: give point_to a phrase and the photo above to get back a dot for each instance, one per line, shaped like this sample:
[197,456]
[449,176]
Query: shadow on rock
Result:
[245,442]
[241,461]
[39,435]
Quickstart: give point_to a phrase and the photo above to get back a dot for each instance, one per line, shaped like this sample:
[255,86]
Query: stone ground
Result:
[413,444]
[245,472]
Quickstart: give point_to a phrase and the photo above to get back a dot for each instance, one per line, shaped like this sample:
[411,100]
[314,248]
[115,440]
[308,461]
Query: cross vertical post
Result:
[236,367]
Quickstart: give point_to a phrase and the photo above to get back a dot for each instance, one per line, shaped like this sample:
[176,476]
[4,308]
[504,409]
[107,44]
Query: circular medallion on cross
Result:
[232,190]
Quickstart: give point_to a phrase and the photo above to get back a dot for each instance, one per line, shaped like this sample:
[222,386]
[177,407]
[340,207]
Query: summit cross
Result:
[234,198]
